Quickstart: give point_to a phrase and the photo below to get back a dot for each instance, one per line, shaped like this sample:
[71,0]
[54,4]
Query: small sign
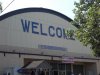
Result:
[67,59]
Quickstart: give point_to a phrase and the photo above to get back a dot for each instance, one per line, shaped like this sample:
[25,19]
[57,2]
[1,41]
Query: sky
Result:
[63,6]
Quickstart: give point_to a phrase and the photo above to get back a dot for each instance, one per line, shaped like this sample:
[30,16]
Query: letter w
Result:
[25,25]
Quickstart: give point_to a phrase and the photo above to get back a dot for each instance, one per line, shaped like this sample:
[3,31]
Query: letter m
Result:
[25,25]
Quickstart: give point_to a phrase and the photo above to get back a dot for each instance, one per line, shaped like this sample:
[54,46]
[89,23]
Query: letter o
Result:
[59,32]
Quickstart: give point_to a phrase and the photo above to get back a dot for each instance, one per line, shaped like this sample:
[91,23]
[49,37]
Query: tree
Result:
[0,7]
[87,17]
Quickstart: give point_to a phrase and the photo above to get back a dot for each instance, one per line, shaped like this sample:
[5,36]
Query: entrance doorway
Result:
[42,72]
[78,69]
[39,67]
[59,68]
[43,67]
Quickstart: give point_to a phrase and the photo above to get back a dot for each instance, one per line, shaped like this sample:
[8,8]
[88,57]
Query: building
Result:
[39,40]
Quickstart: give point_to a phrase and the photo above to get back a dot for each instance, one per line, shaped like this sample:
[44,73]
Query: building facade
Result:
[41,41]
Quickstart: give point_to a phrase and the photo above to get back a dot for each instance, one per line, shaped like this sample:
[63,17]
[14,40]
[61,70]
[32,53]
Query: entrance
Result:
[77,69]
[58,73]
[60,68]
[42,67]
[36,67]
[42,72]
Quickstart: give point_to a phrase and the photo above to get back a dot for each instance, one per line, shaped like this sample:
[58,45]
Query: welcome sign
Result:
[37,28]
[51,30]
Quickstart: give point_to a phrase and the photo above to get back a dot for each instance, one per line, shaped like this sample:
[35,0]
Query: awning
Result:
[40,64]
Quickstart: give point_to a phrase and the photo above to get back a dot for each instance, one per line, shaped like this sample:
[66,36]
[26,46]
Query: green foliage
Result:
[70,34]
[0,6]
[87,16]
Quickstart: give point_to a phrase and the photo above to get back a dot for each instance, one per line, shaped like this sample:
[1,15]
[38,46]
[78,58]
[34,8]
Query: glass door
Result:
[77,69]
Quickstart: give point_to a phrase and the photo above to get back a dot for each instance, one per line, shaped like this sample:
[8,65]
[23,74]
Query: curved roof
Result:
[19,11]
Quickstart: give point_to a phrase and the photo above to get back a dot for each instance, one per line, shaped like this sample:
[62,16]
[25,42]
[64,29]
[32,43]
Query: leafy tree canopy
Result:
[0,6]
[87,17]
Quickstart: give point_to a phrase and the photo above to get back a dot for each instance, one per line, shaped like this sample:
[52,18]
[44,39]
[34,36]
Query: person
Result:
[32,73]
[42,73]
[8,73]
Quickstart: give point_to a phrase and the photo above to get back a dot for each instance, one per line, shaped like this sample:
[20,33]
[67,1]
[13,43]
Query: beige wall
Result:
[91,69]
[12,34]
[98,66]
[13,60]
[9,61]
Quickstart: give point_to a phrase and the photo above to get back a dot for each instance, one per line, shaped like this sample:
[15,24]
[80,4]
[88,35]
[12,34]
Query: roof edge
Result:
[24,10]
[36,9]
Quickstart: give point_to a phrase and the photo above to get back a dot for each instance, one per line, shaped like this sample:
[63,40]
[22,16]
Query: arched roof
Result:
[24,10]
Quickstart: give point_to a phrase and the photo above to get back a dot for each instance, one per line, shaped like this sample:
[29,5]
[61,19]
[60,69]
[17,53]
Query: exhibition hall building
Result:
[41,41]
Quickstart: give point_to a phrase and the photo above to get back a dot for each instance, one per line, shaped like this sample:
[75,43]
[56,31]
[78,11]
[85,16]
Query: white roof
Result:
[39,64]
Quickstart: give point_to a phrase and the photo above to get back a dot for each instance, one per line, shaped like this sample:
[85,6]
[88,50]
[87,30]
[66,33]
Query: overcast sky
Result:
[63,6]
